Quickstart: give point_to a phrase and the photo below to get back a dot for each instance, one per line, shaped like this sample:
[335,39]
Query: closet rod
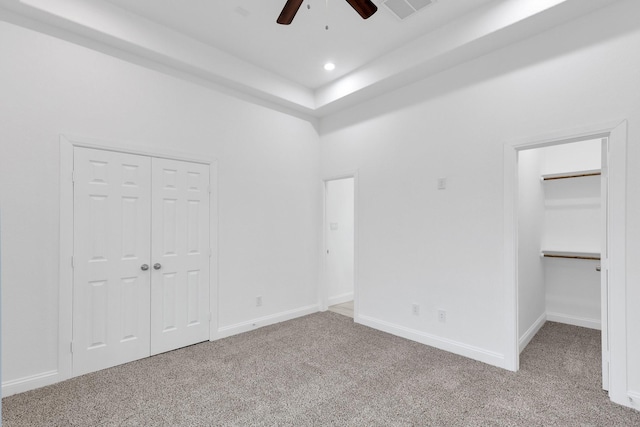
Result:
[577,175]
[595,258]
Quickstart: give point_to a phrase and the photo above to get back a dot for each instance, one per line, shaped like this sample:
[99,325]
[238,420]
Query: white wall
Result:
[340,239]
[444,249]
[572,157]
[572,292]
[572,206]
[269,196]
[531,283]
[572,215]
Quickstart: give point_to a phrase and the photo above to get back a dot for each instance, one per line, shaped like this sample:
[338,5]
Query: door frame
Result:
[617,241]
[65,296]
[323,288]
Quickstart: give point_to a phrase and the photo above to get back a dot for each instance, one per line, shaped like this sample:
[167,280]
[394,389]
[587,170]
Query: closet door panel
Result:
[111,243]
[180,254]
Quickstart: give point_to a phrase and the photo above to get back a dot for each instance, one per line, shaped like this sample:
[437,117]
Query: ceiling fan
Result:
[365,8]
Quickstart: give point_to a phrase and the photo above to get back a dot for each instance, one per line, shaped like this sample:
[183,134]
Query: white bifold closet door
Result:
[111,293]
[141,257]
[180,253]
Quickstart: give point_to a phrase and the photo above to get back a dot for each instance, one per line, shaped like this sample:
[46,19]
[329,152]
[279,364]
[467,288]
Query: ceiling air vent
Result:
[404,8]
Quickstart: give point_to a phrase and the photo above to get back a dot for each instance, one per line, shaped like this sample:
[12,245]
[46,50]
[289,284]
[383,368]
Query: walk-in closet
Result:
[561,235]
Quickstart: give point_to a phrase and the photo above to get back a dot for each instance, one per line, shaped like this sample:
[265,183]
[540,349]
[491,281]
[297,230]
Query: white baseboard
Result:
[472,352]
[340,299]
[631,399]
[634,399]
[250,325]
[573,320]
[532,331]
[31,382]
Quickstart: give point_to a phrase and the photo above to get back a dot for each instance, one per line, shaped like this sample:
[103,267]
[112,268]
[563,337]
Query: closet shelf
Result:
[571,255]
[576,174]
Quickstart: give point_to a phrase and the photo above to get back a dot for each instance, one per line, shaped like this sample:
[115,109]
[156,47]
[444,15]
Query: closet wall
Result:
[531,285]
[558,216]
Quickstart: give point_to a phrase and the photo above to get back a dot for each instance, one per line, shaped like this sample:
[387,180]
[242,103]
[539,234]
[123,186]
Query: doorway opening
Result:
[562,241]
[339,246]
[613,290]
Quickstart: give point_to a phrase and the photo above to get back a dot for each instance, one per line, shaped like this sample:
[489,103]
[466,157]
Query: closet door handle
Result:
[157,266]
[598,268]
[144,267]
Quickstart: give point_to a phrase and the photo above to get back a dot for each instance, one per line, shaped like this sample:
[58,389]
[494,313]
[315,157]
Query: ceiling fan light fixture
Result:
[329,66]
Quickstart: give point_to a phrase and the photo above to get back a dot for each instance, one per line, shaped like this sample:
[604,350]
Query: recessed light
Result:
[329,66]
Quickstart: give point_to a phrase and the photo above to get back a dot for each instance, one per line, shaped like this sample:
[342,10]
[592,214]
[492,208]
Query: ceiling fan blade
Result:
[289,11]
[365,8]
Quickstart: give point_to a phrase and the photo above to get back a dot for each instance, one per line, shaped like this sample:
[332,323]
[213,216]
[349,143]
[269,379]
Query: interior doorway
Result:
[613,263]
[339,245]
[562,241]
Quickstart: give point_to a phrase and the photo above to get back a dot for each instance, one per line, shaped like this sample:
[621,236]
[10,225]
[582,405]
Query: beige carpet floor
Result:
[325,370]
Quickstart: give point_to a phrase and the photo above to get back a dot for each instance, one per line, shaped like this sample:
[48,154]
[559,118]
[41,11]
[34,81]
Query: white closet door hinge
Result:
[74,176]
[71,347]
[210,317]
[209,189]
[210,252]
[73,262]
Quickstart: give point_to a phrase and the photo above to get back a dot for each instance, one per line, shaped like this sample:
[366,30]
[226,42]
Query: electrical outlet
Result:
[259,301]
[415,309]
[442,316]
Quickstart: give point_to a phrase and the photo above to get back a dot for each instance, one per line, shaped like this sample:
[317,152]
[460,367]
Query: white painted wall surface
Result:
[340,239]
[531,283]
[573,291]
[572,206]
[572,215]
[443,249]
[269,197]
[576,156]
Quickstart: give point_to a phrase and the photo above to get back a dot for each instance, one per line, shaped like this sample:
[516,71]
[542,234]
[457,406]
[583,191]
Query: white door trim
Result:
[617,268]
[133,148]
[323,288]
[617,241]
[65,304]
